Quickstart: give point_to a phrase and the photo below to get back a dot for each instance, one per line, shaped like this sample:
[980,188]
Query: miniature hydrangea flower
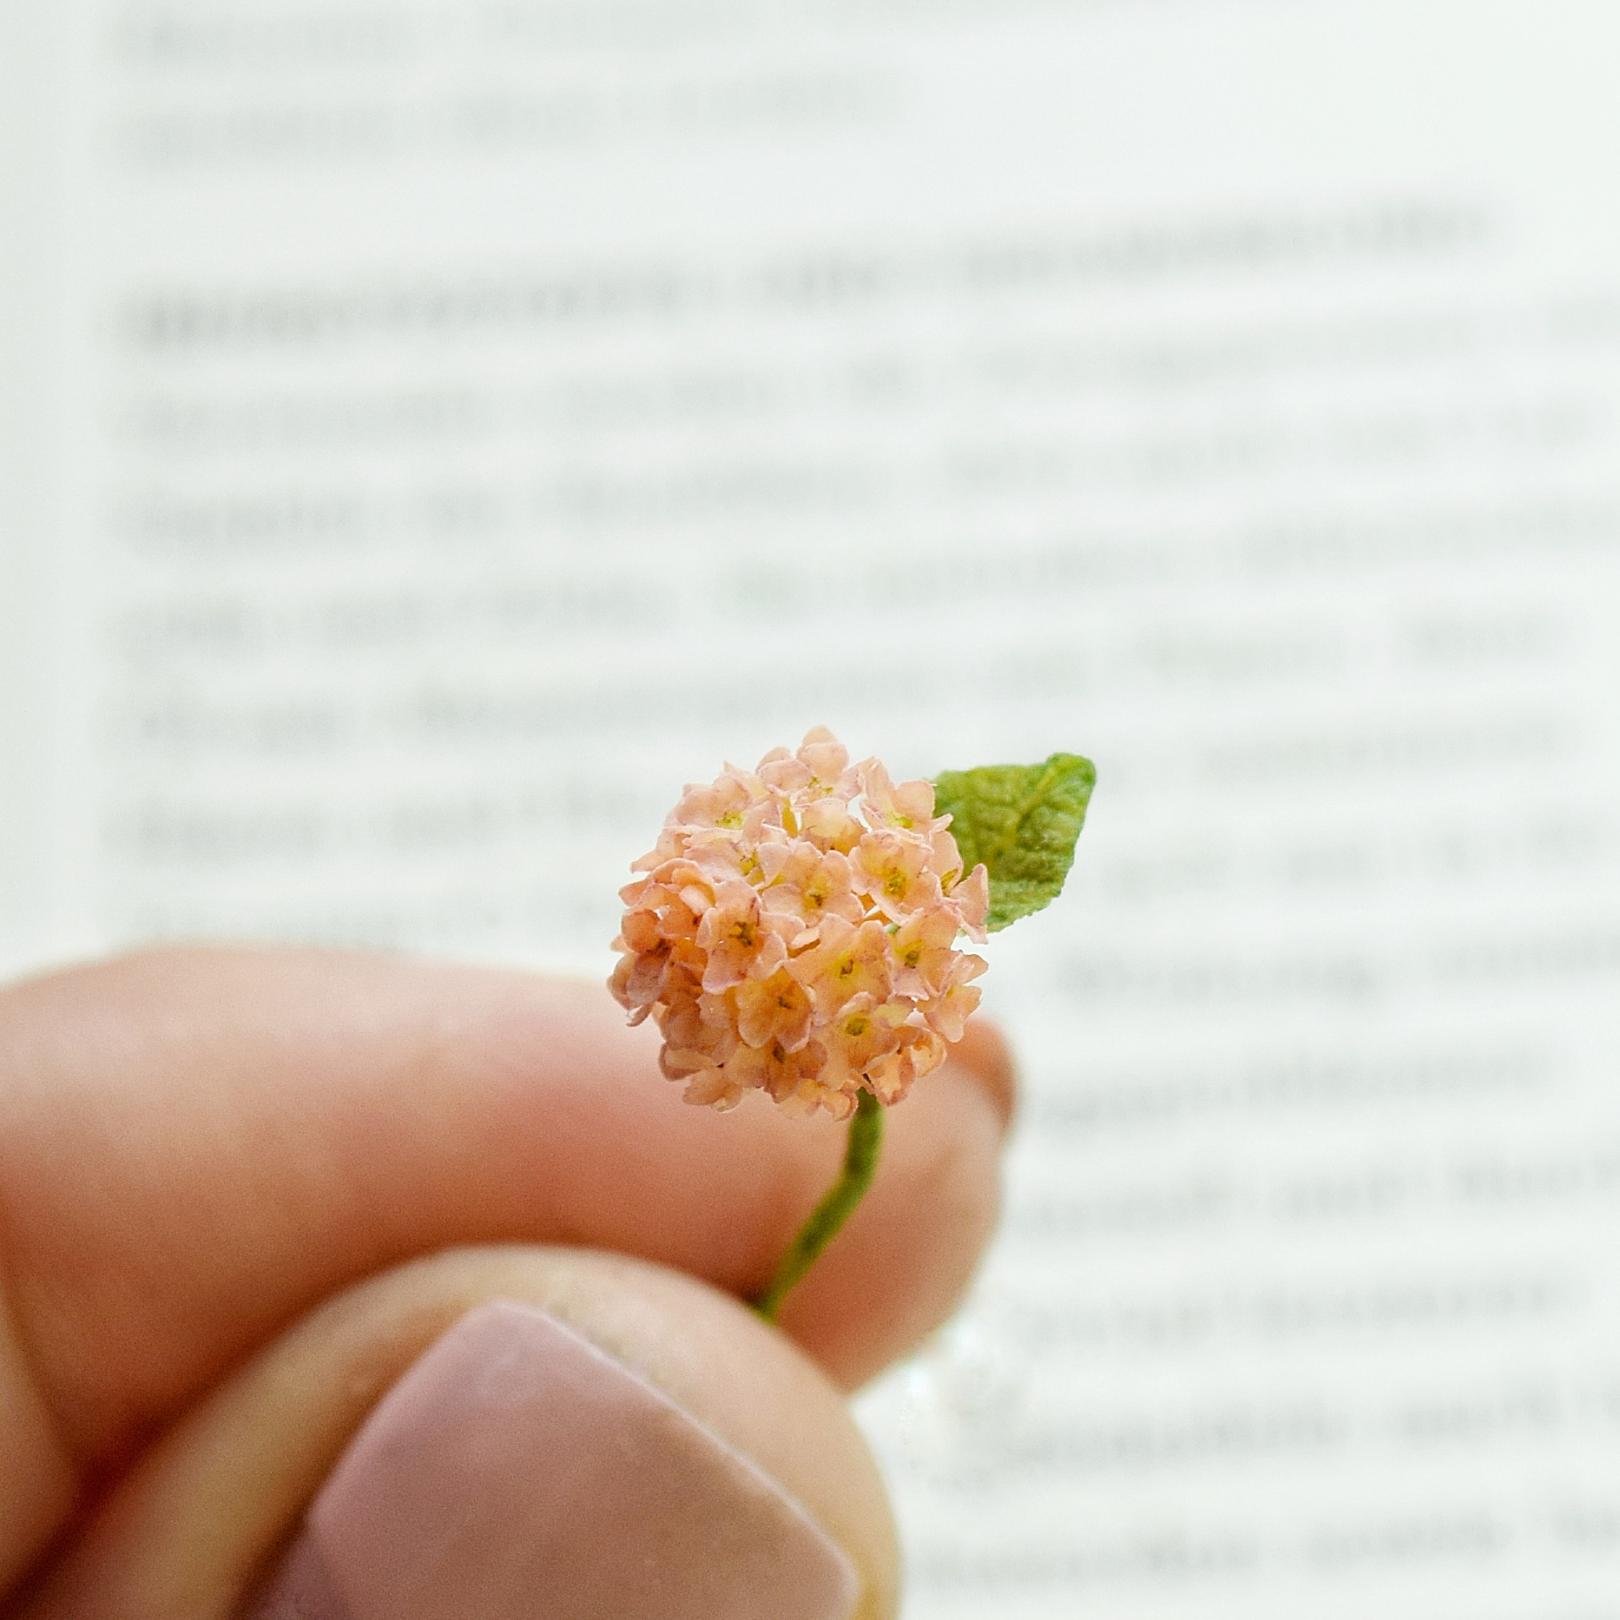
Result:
[795,932]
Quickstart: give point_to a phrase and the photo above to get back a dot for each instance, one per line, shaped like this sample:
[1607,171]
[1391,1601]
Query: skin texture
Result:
[241,1189]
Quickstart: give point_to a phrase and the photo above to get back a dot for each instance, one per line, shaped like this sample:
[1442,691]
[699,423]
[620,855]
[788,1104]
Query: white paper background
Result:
[435,432]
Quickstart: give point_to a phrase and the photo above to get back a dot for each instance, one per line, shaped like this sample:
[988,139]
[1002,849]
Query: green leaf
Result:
[1022,822]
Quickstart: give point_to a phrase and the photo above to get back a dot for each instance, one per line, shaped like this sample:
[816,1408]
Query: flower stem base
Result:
[860,1165]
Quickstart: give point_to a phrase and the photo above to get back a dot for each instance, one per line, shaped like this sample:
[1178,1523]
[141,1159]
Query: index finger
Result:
[196,1146]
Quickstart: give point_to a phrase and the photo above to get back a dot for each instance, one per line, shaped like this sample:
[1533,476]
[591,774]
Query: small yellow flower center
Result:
[857,1026]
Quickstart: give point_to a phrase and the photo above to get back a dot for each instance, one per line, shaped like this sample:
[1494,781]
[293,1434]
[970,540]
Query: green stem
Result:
[860,1164]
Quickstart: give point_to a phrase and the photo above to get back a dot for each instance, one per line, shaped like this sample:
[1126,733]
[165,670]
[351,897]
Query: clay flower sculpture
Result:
[796,931]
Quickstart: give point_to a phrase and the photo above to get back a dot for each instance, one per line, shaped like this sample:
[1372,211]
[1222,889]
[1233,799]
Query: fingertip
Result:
[396,1429]
[988,1055]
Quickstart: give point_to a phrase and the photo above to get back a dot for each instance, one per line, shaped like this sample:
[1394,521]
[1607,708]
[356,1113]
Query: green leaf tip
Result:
[1022,821]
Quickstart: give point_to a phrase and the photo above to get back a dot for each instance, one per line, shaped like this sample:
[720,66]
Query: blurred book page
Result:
[481,418]
[32,197]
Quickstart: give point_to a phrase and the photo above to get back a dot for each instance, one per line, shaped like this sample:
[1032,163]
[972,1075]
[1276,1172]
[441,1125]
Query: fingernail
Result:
[519,1470]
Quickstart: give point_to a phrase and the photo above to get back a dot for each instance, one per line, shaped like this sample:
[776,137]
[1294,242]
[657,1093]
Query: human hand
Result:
[243,1192]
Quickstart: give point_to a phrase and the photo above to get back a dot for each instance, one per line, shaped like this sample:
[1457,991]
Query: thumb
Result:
[500,1433]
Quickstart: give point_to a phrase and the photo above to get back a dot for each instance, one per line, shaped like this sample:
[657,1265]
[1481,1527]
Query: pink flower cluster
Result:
[794,931]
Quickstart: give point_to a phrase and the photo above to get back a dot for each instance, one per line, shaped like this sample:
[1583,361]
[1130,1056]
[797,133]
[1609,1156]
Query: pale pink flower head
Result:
[844,960]
[811,882]
[742,940]
[795,932]
[820,769]
[898,871]
[909,805]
